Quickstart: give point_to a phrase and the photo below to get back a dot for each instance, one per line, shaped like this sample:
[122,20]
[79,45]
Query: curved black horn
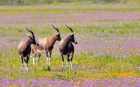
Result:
[55,28]
[30,32]
[69,28]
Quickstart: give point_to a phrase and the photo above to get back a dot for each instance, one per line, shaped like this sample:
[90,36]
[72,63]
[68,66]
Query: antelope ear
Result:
[57,33]
[29,36]
[72,34]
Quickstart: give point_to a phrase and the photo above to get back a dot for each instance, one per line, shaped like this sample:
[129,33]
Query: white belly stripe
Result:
[41,51]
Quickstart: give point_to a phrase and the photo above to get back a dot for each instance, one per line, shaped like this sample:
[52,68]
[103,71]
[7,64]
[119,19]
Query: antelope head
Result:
[32,38]
[72,35]
[58,36]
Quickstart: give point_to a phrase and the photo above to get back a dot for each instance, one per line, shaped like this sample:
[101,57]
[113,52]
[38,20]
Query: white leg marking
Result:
[19,56]
[38,61]
[49,61]
[68,64]
[27,67]
[62,64]
[71,64]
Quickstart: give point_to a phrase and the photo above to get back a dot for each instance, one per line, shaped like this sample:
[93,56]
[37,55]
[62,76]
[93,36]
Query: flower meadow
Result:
[107,53]
[122,82]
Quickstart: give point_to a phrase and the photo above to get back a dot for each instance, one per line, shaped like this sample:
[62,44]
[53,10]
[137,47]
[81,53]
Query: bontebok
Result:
[66,48]
[24,48]
[46,45]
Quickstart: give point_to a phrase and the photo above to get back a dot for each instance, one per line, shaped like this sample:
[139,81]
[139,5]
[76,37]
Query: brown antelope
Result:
[66,47]
[46,45]
[24,48]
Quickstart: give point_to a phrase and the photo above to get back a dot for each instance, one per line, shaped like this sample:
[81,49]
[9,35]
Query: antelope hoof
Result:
[49,69]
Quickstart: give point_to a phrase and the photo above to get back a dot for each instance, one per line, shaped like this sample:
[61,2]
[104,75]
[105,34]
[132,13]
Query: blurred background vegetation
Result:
[43,2]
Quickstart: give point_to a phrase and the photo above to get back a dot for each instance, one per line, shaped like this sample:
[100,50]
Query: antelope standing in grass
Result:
[45,45]
[66,48]
[24,48]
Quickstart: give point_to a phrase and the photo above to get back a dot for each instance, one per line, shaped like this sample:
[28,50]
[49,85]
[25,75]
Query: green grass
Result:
[133,28]
[83,64]
[69,8]
[19,11]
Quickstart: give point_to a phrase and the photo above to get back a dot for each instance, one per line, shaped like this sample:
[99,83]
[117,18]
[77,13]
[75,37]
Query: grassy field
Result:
[107,53]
